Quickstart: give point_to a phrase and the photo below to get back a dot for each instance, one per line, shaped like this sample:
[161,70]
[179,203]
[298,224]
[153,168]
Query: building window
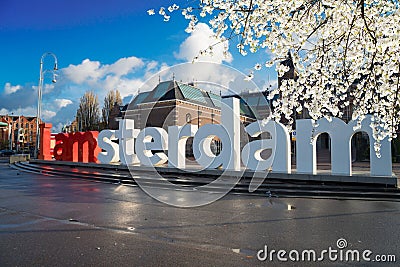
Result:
[188,118]
[31,126]
[27,125]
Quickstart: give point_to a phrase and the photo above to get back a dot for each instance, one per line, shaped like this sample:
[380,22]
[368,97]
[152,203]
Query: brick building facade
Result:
[175,103]
[19,134]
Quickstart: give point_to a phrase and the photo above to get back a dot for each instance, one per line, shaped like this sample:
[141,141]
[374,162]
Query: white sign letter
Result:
[126,135]
[228,133]
[104,140]
[340,134]
[152,138]
[177,137]
[279,144]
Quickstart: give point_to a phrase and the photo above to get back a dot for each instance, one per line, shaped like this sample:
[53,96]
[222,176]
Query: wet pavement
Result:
[56,221]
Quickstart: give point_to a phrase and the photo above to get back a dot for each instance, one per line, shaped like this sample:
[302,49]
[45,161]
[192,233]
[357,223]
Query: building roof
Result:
[171,90]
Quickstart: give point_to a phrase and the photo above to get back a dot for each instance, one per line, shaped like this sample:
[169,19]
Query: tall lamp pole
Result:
[40,87]
[11,131]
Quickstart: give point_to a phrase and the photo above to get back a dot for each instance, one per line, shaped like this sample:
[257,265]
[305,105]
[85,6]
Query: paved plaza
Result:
[56,221]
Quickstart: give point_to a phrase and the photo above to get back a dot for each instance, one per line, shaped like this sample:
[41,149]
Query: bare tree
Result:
[88,113]
[112,99]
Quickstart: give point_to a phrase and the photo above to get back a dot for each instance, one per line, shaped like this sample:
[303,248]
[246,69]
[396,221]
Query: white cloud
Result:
[86,71]
[57,128]
[48,114]
[207,75]
[9,89]
[123,66]
[61,103]
[200,39]
[151,65]
[47,88]
[129,87]
[4,111]
[126,75]
[123,85]
[26,111]
[111,82]
[92,71]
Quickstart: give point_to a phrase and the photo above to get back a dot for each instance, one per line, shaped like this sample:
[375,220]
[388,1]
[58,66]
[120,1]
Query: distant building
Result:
[176,103]
[19,133]
[71,128]
[116,112]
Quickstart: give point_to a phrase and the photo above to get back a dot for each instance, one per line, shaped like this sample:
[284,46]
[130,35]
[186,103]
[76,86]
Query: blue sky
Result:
[100,45]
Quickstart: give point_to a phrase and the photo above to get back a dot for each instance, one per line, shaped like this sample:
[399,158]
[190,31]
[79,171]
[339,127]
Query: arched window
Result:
[188,118]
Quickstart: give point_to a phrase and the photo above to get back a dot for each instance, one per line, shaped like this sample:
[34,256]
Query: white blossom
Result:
[258,66]
[161,11]
[250,76]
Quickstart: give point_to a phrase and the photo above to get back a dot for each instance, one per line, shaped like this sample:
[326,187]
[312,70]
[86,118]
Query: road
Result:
[56,221]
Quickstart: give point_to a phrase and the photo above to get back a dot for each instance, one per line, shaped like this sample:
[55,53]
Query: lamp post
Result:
[19,126]
[40,87]
[11,130]
[10,135]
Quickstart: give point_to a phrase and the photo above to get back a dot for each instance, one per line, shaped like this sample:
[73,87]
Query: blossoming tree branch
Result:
[346,52]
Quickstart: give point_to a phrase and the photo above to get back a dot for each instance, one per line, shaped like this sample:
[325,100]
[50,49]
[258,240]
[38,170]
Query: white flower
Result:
[249,77]
[257,66]
[175,7]
[269,63]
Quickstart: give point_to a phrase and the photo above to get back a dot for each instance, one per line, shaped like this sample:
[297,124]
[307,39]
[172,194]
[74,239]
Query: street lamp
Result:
[11,130]
[40,87]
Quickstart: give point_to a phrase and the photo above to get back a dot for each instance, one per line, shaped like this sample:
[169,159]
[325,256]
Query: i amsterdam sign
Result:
[155,146]
[136,146]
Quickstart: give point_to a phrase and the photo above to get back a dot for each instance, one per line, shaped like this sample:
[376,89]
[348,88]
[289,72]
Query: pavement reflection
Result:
[53,221]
